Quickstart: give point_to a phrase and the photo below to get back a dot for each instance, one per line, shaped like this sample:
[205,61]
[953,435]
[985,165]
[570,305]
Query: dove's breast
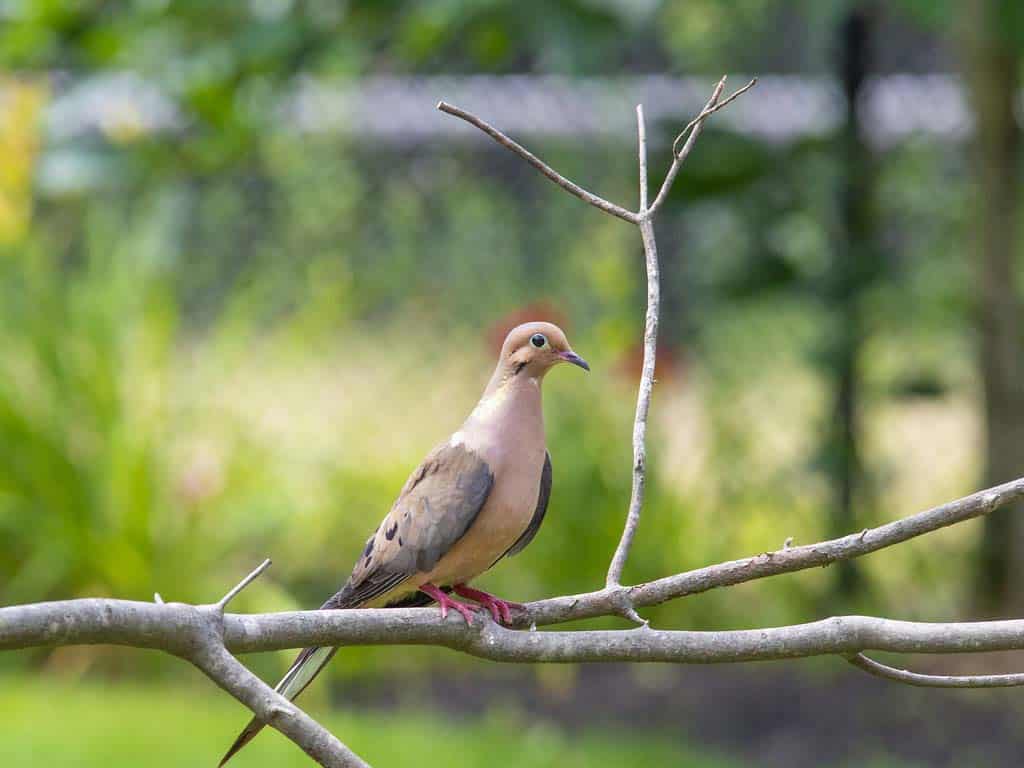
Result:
[507,431]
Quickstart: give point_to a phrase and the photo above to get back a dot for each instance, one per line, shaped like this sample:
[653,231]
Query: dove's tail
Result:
[306,667]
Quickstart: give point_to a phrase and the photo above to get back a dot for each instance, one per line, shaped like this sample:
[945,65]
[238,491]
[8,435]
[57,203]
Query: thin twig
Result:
[641,136]
[223,602]
[569,186]
[878,669]
[710,110]
[694,127]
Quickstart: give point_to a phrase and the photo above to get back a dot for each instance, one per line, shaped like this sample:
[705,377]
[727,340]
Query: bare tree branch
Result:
[641,145]
[212,658]
[786,560]
[645,222]
[120,622]
[709,110]
[643,398]
[274,709]
[694,127]
[174,627]
[878,669]
[643,406]
[171,626]
[194,633]
[540,165]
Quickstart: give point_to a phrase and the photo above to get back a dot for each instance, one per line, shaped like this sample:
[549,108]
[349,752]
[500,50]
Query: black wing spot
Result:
[400,542]
[389,534]
[369,549]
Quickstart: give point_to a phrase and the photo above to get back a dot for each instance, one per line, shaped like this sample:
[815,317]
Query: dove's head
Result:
[534,348]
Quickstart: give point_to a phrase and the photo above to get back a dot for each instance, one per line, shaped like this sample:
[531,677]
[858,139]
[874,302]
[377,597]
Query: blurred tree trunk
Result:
[852,272]
[992,68]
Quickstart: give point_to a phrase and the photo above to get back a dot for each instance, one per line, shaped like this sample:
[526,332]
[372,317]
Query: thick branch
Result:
[274,709]
[116,621]
[194,633]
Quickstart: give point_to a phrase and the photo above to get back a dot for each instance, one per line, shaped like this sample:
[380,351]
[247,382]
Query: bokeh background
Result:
[249,276]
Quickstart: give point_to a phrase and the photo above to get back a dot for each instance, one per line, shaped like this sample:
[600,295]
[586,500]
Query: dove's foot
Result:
[500,609]
[444,602]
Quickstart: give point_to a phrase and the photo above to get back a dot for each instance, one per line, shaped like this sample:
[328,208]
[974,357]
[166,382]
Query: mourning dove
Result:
[476,498]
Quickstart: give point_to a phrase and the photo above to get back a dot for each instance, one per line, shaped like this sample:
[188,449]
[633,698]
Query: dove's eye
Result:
[539,340]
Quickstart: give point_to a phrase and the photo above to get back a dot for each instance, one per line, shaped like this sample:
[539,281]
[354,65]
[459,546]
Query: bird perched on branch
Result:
[476,498]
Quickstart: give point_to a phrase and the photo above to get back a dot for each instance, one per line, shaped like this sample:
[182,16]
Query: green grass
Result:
[95,725]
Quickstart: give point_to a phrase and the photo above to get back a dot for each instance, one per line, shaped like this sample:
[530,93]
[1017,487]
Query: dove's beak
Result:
[572,357]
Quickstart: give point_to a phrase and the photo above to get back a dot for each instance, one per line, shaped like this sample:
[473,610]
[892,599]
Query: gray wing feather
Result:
[436,507]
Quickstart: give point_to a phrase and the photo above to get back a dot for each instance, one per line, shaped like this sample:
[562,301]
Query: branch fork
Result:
[202,644]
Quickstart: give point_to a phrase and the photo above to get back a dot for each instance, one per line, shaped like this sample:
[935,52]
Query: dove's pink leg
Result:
[499,608]
[445,602]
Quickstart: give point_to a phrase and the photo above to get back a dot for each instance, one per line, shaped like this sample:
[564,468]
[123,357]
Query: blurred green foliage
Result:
[172,415]
[234,339]
[240,341]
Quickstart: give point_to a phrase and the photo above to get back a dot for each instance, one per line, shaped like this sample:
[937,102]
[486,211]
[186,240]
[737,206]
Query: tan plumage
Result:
[477,497]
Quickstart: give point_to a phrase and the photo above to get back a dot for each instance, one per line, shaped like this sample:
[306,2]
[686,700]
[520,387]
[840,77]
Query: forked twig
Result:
[571,187]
